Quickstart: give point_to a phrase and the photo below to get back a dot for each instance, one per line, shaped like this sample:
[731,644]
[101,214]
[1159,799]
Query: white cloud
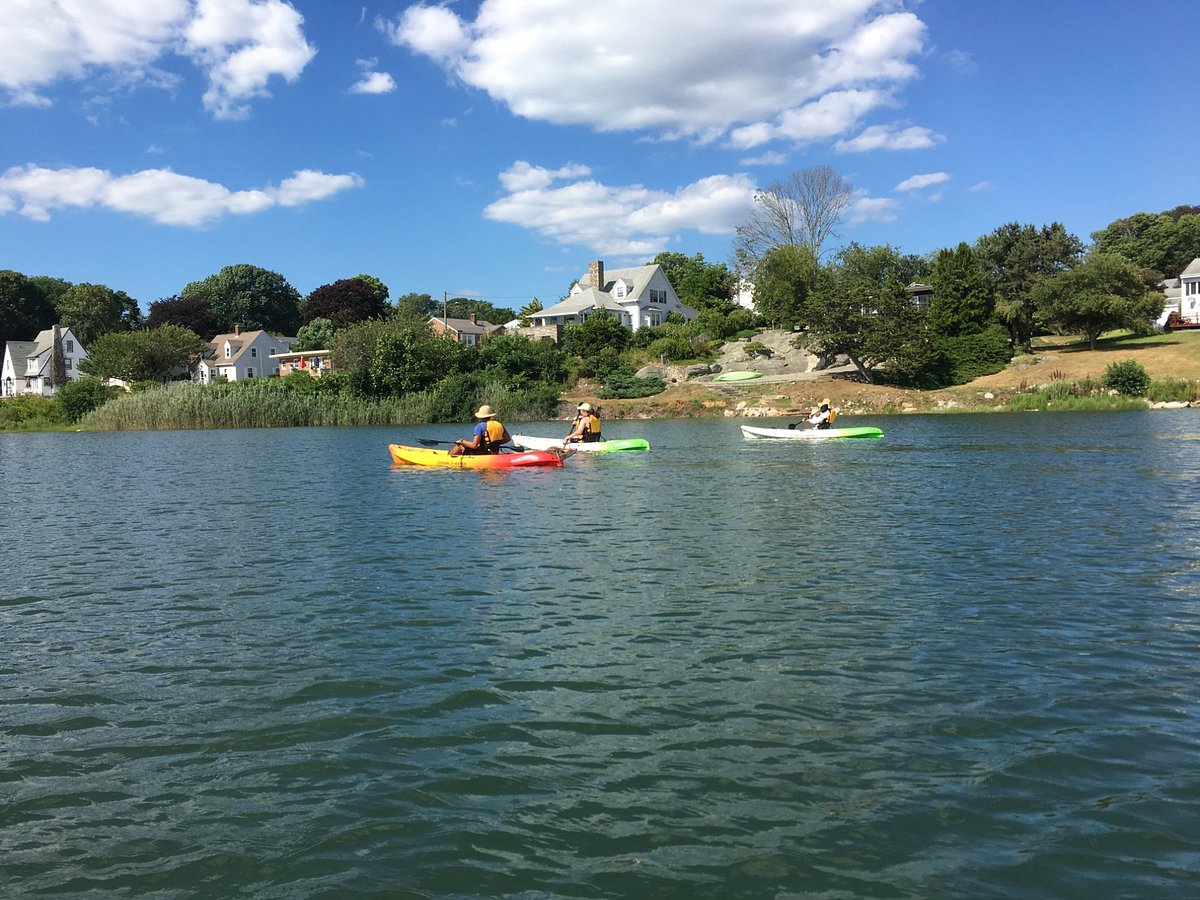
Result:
[980,186]
[761,70]
[864,208]
[241,45]
[161,195]
[770,158]
[374,83]
[889,137]
[916,182]
[625,220]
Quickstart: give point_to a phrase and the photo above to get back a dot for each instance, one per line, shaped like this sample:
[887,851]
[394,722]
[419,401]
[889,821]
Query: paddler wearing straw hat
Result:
[489,434]
[822,416]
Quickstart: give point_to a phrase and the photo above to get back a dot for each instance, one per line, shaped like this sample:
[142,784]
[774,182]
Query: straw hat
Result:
[825,402]
[586,407]
[484,412]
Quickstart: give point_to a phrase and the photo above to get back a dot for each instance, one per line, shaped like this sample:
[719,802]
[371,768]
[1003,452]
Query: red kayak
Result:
[422,456]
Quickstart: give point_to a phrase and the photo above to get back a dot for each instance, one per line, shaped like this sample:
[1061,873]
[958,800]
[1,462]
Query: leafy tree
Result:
[80,396]
[1128,377]
[462,307]
[862,310]
[24,308]
[319,334]
[249,296]
[380,289]
[804,211]
[192,313]
[343,302]
[961,302]
[1103,292]
[394,357]
[600,331]
[1014,258]
[1163,242]
[154,355]
[529,309]
[522,361]
[781,284]
[52,287]
[417,307]
[699,284]
[91,310]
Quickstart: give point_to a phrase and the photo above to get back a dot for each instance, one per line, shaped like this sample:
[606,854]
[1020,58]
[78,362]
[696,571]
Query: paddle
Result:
[430,442]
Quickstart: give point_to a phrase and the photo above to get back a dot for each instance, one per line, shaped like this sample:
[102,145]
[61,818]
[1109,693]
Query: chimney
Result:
[474,320]
[237,329]
[596,273]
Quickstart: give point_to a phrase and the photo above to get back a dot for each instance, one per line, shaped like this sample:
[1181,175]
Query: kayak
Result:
[422,456]
[620,444]
[738,376]
[810,434]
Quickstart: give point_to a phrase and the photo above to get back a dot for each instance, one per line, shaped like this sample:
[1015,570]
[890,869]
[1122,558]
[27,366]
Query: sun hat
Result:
[484,412]
[825,402]
[586,407]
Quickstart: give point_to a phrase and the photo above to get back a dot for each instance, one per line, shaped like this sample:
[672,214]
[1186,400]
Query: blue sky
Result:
[490,149]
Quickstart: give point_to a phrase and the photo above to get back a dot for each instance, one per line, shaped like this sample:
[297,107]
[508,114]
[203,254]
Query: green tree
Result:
[782,283]
[158,354]
[416,307]
[862,310]
[393,357]
[52,287]
[80,396]
[343,302]
[1103,292]
[961,302]
[24,308]
[462,307]
[600,331]
[1128,377]
[249,296]
[529,309]
[380,289]
[522,361]
[1015,258]
[91,310]
[699,284]
[192,313]
[319,334]
[1164,243]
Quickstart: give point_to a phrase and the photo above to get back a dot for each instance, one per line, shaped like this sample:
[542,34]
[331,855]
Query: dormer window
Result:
[228,350]
[620,291]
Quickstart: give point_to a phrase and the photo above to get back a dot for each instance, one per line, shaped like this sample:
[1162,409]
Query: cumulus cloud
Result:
[762,70]
[916,182]
[240,44]
[567,207]
[160,195]
[889,137]
[372,81]
[864,208]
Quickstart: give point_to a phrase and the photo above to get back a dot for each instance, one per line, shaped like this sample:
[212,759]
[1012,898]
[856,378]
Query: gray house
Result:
[42,365]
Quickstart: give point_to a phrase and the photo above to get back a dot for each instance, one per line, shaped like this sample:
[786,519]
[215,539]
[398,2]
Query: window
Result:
[658,296]
[315,362]
[228,350]
[620,291]
[250,373]
[46,381]
[254,352]
[67,363]
[70,346]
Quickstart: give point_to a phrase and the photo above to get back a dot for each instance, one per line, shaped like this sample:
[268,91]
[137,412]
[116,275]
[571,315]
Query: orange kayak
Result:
[422,456]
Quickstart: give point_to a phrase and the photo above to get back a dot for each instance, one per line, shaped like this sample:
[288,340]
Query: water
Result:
[960,661]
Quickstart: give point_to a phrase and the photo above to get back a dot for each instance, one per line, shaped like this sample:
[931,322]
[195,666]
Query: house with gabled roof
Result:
[42,365]
[472,331]
[241,355]
[638,296]
[1182,296]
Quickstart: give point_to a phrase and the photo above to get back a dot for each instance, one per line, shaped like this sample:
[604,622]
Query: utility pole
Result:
[443,306]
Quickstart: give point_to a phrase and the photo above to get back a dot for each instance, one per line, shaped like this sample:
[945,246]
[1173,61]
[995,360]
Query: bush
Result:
[625,385]
[673,347]
[80,396]
[1165,390]
[1128,377]
[30,412]
[972,356]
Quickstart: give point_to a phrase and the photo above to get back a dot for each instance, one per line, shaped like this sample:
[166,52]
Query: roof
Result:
[466,326]
[19,352]
[637,278]
[238,343]
[1193,268]
[589,298]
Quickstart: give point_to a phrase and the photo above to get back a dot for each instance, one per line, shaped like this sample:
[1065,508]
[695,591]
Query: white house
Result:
[1182,296]
[241,355]
[638,296]
[29,366]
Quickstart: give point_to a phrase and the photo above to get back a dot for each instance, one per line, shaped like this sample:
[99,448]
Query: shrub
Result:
[30,411]
[1164,390]
[625,385]
[80,396]
[1128,377]
[673,347]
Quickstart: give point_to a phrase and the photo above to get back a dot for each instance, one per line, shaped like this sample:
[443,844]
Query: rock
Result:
[697,370]
[988,395]
[650,372]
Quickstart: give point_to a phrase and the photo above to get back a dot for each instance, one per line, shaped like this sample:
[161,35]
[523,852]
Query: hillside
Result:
[790,385]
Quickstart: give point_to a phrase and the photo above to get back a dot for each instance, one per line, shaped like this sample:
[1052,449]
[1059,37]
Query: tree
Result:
[52,287]
[522,361]
[805,211]
[319,334]
[155,355]
[380,289]
[1014,258]
[600,331]
[416,307]
[1165,242]
[24,308]
[961,303]
[91,310]
[699,284]
[192,313]
[1102,293]
[862,310]
[781,285]
[533,306]
[249,296]
[462,307]
[394,357]
[344,302]
[80,396]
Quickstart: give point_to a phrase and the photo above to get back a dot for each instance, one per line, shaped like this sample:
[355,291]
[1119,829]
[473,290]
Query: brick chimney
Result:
[237,329]
[474,319]
[596,273]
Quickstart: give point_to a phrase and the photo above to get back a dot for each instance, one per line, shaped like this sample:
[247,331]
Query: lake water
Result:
[962,661]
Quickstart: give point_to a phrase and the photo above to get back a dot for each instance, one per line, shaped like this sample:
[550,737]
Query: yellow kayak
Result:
[422,456]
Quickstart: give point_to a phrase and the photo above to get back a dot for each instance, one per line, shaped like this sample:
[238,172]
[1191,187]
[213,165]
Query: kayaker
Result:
[822,416]
[489,434]
[585,428]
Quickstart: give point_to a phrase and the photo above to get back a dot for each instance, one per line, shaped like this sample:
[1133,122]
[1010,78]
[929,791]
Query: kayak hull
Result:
[620,445]
[753,432]
[423,456]
[738,376]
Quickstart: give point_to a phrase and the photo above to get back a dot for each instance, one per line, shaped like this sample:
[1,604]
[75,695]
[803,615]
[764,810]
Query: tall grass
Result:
[1163,390]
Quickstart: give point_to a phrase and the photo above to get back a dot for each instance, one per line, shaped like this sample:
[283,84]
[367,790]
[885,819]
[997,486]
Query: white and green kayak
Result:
[738,376]
[807,433]
[619,445]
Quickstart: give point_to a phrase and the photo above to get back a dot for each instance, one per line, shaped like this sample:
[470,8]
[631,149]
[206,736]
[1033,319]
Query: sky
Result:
[491,148]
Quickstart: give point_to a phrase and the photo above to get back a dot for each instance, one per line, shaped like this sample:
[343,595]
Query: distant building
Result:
[241,355]
[472,331]
[1181,297]
[43,365]
[313,363]
[920,294]
[638,296]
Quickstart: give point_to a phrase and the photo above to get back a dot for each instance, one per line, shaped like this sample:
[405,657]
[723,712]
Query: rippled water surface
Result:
[960,661]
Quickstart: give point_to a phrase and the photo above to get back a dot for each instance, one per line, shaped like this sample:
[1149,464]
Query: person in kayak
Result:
[489,434]
[585,428]
[822,416]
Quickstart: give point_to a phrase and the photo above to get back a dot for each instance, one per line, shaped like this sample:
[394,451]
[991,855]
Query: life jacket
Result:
[829,417]
[493,437]
[832,415]
[591,429]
